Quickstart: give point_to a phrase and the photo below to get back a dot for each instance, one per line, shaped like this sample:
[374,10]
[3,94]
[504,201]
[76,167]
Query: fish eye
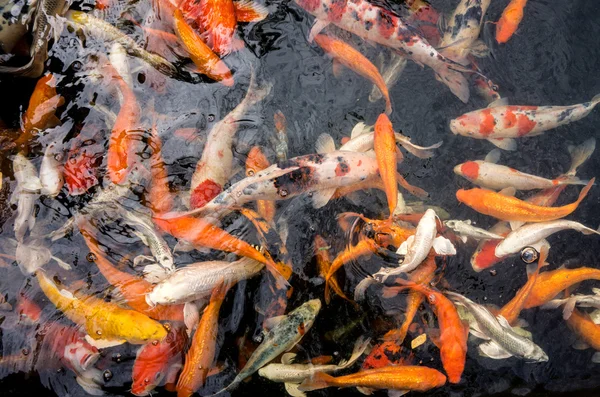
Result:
[250,173]
[157,376]
[211,118]
[529,255]
[58,157]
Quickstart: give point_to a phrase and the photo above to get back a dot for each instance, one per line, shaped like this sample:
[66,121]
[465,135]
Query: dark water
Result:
[552,60]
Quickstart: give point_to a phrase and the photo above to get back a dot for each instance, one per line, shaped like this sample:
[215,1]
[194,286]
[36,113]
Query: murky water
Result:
[552,60]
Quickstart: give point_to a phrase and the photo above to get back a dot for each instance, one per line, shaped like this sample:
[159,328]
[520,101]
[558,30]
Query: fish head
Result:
[485,255]
[80,354]
[468,170]
[536,355]
[465,125]
[148,371]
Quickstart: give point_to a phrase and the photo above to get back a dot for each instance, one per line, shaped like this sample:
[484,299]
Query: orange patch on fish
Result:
[204,193]
[488,122]
[524,124]
[470,170]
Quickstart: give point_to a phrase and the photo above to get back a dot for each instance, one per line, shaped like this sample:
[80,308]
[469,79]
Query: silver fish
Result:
[293,374]
[502,340]
[282,337]
[26,194]
[575,300]
[46,21]
[144,229]
[465,229]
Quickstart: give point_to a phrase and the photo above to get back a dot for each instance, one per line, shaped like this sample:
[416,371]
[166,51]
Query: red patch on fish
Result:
[510,119]
[487,256]
[309,5]
[525,125]
[470,170]
[80,174]
[387,24]
[342,169]
[335,10]
[488,122]
[204,192]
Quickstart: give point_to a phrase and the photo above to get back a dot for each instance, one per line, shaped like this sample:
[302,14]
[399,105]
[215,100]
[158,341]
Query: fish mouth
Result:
[89,359]
[149,301]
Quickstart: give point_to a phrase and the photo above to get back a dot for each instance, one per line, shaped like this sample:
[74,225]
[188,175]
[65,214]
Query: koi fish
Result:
[156,361]
[416,248]
[497,177]
[453,333]
[159,197]
[379,25]
[532,233]
[103,321]
[500,123]
[255,163]
[218,20]
[387,354]
[51,170]
[344,54]
[324,264]
[510,20]
[384,144]
[587,330]
[282,337]
[81,167]
[501,340]
[280,142]
[206,61]
[512,209]
[466,230]
[398,380]
[215,167]
[201,356]
[26,194]
[574,300]
[461,32]
[292,374]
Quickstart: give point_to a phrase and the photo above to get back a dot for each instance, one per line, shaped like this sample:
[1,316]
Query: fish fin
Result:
[580,154]
[317,27]
[498,102]
[514,225]
[360,129]
[293,389]
[91,381]
[318,381]
[508,191]
[288,358]
[61,263]
[191,316]
[141,237]
[530,269]
[493,156]
[479,49]
[443,246]
[365,390]
[541,245]
[504,143]
[337,69]
[596,358]
[397,393]
[522,332]
[104,343]
[140,259]
[464,239]
[324,144]
[249,11]
[553,304]
[67,294]
[478,334]
[321,197]
[361,345]
[154,273]
[361,288]
[403,249]
[185,246]
[569,307]
[272,322]
[503,321]
[596,99]
[580,345]
[455,81]
[491,349]
[585,190]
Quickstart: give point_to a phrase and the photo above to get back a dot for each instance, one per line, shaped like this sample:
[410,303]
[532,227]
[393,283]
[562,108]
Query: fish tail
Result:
[455,81]
[570,180]
[596,100]
[580,154]
[361,345]
[585,191]
[256,93]
[319,380]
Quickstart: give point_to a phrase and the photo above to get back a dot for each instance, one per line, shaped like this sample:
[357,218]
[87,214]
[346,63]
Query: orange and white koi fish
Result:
[344,54]
[499,123]
[201,356]
[497,177]
[397,379]
[510,20]
[216,164]
[379,25]
[103,321]
[156,362]
[204,58]
[512,209]
[385,152]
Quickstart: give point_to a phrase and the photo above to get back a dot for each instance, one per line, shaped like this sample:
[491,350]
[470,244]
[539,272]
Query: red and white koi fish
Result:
[499,123]
[216,165]
[382,26]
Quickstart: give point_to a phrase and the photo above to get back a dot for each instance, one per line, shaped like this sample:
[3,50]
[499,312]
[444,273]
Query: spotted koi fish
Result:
[382,26]
[499,123]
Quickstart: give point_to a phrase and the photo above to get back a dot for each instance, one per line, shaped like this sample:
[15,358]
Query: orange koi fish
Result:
[387,354]
[324,265]
[550,284]
[512,209]
[510,20]
[345,54]
[40,112]
[155,361]
[484,256]
[205,60]
[453,333]
[512,309]
[83,160]
[133,288]
[413,378]
[256,162]
[585,328]
[201,356]
[202,233]
[159,197]
[385,150]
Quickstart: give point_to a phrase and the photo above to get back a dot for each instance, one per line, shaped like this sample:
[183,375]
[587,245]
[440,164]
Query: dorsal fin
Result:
[325,144]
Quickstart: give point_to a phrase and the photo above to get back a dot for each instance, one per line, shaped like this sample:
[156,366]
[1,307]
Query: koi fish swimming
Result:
[250,197]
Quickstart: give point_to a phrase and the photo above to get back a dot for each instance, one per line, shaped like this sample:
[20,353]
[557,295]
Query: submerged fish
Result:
[283,336]
[510,20]
[466,230]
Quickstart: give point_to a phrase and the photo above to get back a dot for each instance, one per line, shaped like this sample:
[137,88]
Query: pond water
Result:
[553,59]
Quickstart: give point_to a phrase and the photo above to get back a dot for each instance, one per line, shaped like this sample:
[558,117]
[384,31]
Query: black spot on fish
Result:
[368,25]
[251,188]
[295,182]
[565,114]
[355,15]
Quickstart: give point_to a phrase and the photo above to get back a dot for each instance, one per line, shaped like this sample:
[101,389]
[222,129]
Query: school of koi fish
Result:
[172,263]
